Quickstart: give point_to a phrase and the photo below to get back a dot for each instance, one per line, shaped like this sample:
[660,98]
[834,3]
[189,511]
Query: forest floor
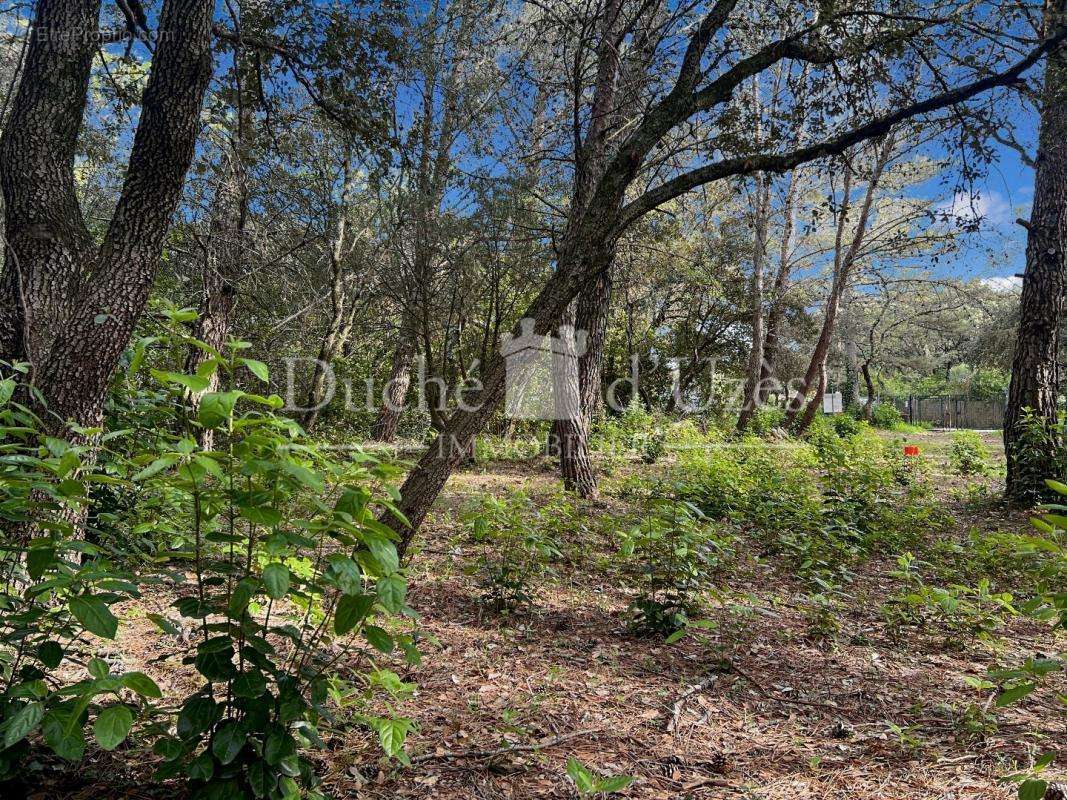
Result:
[781,700]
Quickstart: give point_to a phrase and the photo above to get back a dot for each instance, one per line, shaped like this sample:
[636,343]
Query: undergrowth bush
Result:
[969,455]
[285,578]
[822,503]
[517,552]
[674,549]
[886,416]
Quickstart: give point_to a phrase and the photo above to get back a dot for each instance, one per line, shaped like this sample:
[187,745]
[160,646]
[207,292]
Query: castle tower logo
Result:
[542,373]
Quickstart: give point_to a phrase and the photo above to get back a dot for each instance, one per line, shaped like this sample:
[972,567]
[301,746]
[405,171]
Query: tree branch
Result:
[778,163]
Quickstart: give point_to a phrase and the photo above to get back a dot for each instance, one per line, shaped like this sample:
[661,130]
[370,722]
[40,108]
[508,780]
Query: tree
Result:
[1035,370]
[839,34]
[67,303]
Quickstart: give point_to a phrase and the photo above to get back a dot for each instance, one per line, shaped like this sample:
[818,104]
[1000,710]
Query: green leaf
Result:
[378,638]
[345,572]
[228,741]
[582,777]
[157,466]
[216,408]
[141,684]
[112,726]
[242,595]
[1015,693]
[93,613]
[201,768]
[616,783]
[384,553]
[1032,789]
[1056,486]
[38,560]
[351,610]
[257,368]
[392,733]
[392,590]
[66,740]
[197,715]
[98,668]
[249,684]
[25,720]
[276,579]
[50,654]
[194,383]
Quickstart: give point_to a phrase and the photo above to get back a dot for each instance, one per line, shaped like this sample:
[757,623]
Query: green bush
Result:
[674,549]
[886,416]
[969,455]
[57,588]
[288,566]
[517,551]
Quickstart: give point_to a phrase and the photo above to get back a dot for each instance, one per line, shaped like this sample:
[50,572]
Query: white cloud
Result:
[1003,283]
[989,208]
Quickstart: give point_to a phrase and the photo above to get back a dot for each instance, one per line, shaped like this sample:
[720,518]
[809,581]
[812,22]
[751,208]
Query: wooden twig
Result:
[499,751]
[759,687]
[676,709]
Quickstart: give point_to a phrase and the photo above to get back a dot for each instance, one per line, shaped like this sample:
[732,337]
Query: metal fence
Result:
[953,412]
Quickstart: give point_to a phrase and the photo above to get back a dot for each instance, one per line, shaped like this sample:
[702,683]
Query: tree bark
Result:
[395,391]
[1035,375]
[868,407]
[338,330]
[70,307]
[223,257]
[776,314]
[571,428]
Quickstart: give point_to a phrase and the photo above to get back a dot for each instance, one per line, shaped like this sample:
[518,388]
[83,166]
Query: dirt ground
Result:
[766,706]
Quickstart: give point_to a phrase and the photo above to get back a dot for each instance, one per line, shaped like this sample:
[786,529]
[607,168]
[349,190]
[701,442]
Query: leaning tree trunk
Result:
[1034,375]
[844,262]
[67,305]
[815,404]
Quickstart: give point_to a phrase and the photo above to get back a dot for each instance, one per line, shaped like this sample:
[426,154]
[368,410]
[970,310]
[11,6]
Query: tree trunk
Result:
[844,261]
[223,258]
[338,331]
[571,428]
[750,400]
[572,432]
[68,306]
[776,314]
[1034,374]
[868,407]
[395,391]
[815,404]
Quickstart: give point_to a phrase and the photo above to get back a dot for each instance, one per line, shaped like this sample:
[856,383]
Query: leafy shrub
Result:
[1037,452]
[973,610]
[766,420]
[587,782]
[289,562]
[845,425]
[969,455]
[516,552]
[674,549]
[56,588]
[886,416]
